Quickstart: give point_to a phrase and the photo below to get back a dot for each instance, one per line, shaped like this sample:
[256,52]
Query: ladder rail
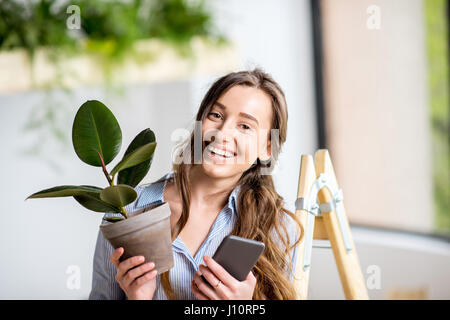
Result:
[328,223]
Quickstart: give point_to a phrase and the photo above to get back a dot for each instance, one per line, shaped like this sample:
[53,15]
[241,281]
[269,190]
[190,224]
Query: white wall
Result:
[392,264]
[377,111]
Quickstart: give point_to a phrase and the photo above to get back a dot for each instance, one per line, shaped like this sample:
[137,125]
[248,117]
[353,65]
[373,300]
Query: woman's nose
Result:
[222,137]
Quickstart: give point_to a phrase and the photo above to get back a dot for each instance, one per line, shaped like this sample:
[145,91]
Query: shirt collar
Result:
[154,193]
[232,199]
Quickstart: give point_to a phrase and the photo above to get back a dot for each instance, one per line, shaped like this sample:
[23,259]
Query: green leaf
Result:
[64,191]
[87,196]
[136,157]
[133,175]
[96,129]
[118,196]
[92,201]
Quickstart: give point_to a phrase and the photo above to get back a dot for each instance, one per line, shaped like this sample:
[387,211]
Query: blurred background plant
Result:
[107,27]
[109,31]
[438,84]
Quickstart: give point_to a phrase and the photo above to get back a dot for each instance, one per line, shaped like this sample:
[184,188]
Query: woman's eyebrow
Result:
[243,114]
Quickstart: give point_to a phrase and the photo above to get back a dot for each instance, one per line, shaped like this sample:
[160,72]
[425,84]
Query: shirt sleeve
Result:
[104,284]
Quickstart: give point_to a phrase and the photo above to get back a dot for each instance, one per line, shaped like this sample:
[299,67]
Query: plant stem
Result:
[111,183]
[106,172]
[104,169]
[124,212]
[108,177]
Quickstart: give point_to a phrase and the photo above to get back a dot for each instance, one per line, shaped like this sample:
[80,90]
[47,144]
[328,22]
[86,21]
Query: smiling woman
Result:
[227,193]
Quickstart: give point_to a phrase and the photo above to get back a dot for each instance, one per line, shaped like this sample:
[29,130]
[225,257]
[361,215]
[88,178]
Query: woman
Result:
[222,188]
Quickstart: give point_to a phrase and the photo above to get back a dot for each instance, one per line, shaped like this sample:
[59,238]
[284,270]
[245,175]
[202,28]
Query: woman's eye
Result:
[215,115]
[245,127]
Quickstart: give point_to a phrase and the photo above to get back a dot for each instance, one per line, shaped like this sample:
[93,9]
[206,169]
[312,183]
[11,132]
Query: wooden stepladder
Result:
[321,209]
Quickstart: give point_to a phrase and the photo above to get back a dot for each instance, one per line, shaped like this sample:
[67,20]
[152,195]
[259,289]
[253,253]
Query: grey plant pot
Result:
[146,232]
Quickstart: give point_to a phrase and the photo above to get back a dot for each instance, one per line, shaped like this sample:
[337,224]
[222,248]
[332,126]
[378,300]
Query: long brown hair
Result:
[260,207]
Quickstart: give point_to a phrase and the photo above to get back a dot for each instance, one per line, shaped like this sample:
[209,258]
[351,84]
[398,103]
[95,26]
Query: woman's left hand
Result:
[222,286]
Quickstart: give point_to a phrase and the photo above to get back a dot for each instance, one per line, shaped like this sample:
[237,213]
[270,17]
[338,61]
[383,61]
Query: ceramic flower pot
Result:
[147,233]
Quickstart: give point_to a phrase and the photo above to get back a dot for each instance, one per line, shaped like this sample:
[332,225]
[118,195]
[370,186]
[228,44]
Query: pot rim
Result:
[116,229]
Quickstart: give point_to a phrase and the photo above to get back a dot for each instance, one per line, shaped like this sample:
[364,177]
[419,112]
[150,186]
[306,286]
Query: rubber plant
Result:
[97,139]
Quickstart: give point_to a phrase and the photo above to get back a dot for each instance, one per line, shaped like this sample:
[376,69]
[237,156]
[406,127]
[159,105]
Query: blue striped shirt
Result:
[104,284]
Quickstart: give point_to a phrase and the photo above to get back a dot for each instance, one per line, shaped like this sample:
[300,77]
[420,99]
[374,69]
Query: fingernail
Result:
[141,258]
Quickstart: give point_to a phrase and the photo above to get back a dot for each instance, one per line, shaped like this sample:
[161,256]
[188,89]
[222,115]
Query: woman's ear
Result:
[265,156]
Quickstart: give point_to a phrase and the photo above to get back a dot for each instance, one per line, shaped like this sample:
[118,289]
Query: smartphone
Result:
[238,255]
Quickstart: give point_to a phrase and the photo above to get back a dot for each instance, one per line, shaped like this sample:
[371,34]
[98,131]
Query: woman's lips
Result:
[220,147]
[217,157]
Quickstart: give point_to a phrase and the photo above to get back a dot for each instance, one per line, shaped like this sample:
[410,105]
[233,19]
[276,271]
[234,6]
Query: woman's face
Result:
[239,123]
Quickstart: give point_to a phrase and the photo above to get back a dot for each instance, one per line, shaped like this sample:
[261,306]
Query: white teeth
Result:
[220,152]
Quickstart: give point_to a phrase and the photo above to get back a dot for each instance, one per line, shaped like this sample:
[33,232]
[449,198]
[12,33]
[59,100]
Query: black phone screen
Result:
[238,255]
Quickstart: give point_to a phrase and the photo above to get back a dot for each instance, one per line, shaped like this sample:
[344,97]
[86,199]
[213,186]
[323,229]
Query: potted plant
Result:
[97,139]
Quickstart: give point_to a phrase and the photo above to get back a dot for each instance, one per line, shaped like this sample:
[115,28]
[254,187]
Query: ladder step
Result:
[324,244]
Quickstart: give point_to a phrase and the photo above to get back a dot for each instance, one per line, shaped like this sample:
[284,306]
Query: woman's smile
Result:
[219,154]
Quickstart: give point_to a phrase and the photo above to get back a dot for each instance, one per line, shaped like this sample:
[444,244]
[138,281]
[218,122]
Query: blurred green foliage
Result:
[108,31]
[26,25]
[107,27]
[438,80]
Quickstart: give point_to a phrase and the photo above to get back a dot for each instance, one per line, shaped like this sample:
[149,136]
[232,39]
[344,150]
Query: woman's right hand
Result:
[138,283]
